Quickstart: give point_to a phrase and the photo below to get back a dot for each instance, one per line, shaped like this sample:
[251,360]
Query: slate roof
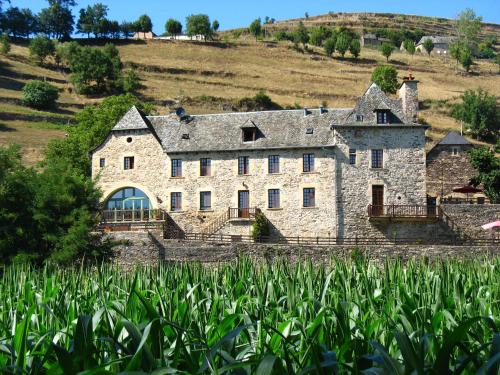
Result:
[275,129]
[454,138]
[222,132]
[436,39]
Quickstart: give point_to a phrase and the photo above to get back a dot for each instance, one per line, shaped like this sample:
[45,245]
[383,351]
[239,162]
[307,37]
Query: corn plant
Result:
[349,316]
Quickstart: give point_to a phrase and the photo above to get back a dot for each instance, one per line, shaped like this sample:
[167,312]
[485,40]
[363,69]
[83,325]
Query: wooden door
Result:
[377,200]
[243,203]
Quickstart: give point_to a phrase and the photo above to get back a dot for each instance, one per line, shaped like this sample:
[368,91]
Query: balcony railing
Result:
[403,211]
[132,216]
[243,213]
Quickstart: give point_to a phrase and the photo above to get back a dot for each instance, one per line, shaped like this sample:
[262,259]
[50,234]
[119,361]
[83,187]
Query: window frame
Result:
[248,135]
[128,163]
[377,158]
[308,163]
[273,164]
[176,197]
[176,168]
[455,151]
[243,165]
[102,162]
[205,167]
[353,156]
[203,195]
[385,119]
[273,198]
[309,197]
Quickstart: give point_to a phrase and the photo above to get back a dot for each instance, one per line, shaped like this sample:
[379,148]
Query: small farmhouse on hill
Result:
[141,35]
[371,40]
[441,44]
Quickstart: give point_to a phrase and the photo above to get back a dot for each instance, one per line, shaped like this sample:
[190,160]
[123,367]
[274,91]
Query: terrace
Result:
[404,213]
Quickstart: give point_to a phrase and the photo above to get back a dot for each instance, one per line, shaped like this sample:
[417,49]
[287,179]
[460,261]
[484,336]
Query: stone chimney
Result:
[408,92]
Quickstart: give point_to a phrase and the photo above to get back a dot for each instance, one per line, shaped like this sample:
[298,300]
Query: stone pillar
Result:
[408,92]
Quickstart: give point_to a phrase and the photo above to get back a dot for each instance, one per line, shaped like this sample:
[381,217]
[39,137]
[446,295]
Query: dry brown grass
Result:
[172,71]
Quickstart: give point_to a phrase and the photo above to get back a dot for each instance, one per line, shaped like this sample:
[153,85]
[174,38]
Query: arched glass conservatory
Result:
[128,199]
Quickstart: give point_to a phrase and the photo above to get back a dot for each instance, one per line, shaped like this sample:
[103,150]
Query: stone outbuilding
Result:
[449,168]
[441,44]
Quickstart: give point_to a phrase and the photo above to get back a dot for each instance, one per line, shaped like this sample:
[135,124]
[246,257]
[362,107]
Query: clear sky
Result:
[232,14]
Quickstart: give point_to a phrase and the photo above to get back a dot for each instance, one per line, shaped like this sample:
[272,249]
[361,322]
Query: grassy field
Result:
[249,318]
[211,77]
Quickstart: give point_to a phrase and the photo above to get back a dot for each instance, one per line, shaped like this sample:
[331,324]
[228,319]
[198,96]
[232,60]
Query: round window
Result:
[129,140]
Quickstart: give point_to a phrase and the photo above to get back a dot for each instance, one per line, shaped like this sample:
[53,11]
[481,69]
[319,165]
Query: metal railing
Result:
[330,241]
[230,213]
[403,211]
[132,216]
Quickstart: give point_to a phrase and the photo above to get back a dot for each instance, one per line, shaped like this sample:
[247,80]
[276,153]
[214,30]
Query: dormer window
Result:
[359,118]
[249,134]
[383,117]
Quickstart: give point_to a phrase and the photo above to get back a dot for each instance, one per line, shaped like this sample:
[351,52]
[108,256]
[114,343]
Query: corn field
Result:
[349,317]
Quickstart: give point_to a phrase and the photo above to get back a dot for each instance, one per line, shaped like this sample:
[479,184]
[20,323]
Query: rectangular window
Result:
[176,168]
[359,118]
[243,165]
[102,162]
[273,198]
[175,201]
[128,162]
[308,163]
[454,151]
[377,158]
[205,167]
[352,156]
[249,135]
[309,197]
[382,117]
[274,164]
[205,200]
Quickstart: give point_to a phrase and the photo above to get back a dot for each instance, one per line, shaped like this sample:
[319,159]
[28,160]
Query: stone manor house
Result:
[327,172]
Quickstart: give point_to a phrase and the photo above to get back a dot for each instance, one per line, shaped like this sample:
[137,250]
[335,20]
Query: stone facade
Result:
[343,191]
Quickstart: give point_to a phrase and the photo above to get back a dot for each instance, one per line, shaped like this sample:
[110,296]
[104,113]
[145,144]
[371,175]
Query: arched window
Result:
[128,199]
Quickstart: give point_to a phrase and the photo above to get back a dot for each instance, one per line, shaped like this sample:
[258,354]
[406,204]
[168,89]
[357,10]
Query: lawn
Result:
[252,318]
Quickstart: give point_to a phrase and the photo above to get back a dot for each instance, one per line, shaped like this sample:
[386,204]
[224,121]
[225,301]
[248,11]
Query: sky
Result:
[233,14]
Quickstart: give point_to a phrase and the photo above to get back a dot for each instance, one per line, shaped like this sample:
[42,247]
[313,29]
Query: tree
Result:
[127,29]
[455,48]
[4,44]
[468,27]
[41,47]
[93,20]
[95,70]
[409,46]
[260,227]
[215,26]
[342,44]
[488,167]
[301,35]
[318,35]
[465,57]
[131,81]
[198,24]
[480,113]
[329,46]
[40,95]
[64,51]
[144,24]
[255,28]
[93,125]
[85,22]
[355,48]
[386,50]
[19,22]
[173,27]
[386,77]
[57,20]
[428,46]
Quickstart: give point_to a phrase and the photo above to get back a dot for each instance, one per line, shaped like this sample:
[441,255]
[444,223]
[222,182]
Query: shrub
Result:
[329,46]
[386,77]
[4,44]
[465,58]
[255,28]
[40,94]
[355,48]
[386,50]
[260,227]
[409,46]
[131,81]
[301,35]
[41,47]
[319,35]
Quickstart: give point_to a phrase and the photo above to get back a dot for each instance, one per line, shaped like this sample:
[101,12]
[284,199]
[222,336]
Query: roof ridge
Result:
[255,112]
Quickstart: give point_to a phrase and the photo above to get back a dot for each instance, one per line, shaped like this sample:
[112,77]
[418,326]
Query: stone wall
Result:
[470,217]
[150,248]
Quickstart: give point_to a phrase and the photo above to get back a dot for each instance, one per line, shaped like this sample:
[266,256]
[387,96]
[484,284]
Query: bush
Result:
[260,227]
[488,168]
[329,46]
[282,35]
[4,44]
[131,81]
[386,77]
[41,47]
[355,48]
[260,102]
[40,94]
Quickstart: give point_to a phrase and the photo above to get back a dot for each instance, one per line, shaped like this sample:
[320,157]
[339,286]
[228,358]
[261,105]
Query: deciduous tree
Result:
[173,27]
[386,50]
[198,24]
[428,46]
[255,28]
[355,48]
[342,44]
[41,47]
[488,168]
[386,77]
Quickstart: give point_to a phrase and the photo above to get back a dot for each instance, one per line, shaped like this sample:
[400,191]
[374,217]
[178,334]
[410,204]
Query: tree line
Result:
[57,21]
